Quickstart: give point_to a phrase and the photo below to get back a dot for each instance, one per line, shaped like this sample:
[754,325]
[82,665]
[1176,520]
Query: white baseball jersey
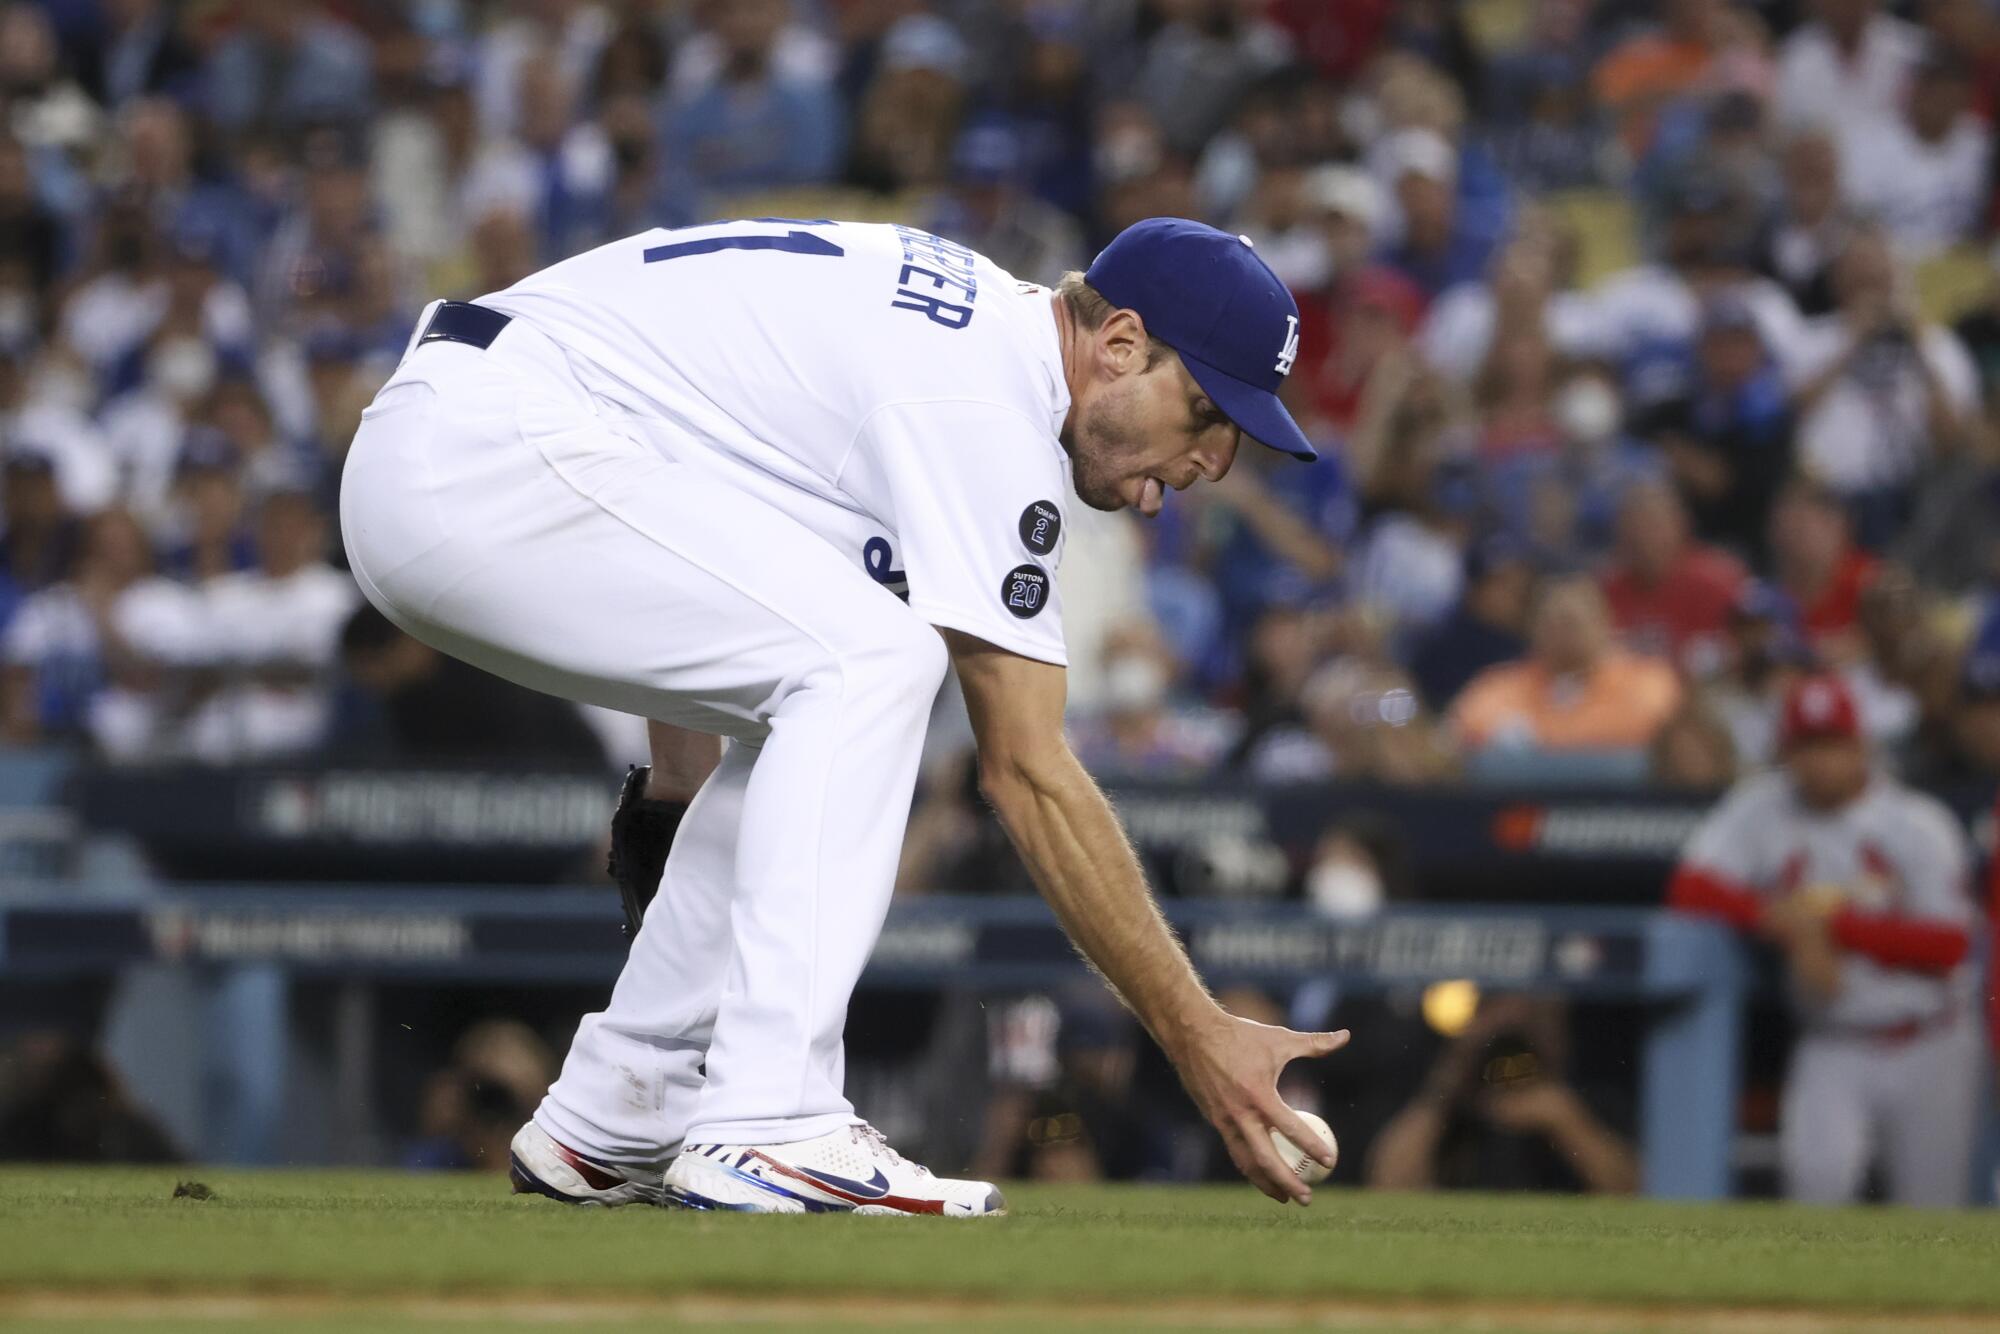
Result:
[687,482]
[895,392]
[1893,853]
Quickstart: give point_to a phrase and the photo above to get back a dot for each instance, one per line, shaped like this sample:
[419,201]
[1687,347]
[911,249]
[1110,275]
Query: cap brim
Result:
[1256,412]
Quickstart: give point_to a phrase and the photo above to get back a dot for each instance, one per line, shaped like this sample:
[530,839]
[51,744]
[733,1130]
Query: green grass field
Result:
[113,1249]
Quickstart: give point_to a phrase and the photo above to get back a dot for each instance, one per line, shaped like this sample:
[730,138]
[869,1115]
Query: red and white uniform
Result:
[1890,1062]
[1993,942]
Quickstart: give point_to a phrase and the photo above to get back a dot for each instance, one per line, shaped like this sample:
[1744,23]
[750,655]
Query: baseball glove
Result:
[642,833]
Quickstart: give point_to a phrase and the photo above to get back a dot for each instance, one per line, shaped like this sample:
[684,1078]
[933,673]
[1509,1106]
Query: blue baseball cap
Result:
[988,152]
[1210,297]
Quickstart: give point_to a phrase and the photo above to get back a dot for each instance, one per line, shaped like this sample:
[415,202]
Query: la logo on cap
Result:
[1289,353]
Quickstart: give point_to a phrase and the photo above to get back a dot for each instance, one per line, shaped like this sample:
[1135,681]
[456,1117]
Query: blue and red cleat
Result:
[542,1165]
[850,1170]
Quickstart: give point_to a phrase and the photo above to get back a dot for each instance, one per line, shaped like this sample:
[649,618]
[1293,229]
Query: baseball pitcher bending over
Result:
[760,480]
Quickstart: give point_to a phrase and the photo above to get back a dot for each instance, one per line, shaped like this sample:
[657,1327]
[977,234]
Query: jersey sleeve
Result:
[1717,872]
[1928,931]
[1993,945]
[979,494]
[1935,863]
[1724,843]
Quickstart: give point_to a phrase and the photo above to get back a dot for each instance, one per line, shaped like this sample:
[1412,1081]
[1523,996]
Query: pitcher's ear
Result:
[1123,342]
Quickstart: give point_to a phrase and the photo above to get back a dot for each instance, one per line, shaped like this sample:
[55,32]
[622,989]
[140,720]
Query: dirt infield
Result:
[699,1311]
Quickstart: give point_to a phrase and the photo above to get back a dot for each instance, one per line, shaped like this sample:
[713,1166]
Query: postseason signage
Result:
[1461,843]
[988,942]
[1241,942]
[1200,840]
[450,810]
[335,824]
[337,936]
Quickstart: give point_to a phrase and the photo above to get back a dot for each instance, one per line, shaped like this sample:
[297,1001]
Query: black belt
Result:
[463,322]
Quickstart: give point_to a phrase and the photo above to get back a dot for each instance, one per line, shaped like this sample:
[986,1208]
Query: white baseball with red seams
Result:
[1303,1165]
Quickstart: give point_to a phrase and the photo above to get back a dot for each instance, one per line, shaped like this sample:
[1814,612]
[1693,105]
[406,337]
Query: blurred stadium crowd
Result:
[1653,346]
[1737,420]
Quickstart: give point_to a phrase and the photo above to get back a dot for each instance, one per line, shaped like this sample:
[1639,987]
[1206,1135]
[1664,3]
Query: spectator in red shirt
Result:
[1669,594]
[1337,40]
[1357,336]
[1814,559]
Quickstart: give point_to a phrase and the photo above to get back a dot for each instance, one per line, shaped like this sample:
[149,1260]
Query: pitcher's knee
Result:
[890,668]
[911,662]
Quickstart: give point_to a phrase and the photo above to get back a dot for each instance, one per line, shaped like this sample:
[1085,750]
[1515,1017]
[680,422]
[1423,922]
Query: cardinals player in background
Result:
[1862,885]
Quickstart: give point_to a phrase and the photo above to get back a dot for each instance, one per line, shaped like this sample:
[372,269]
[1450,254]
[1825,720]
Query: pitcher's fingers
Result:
[1257,1137]
[1323,1044]
[1287,1123]
[1246,1161]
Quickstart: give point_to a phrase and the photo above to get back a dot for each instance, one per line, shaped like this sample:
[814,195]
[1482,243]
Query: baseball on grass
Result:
[1304,1165]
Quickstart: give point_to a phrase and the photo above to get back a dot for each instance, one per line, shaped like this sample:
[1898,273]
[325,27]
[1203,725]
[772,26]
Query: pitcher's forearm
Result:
[1070,839]
[1081,861]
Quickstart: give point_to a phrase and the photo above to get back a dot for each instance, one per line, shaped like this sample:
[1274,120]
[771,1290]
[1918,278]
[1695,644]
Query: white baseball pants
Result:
[492,512]
[1913,1102]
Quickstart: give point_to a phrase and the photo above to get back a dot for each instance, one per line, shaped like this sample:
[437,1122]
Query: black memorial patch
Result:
[1025,591]
[1041,525]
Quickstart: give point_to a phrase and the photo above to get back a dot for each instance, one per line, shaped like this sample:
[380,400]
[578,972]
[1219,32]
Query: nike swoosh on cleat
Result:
[597,1178]
[868,1190]
[853,1192]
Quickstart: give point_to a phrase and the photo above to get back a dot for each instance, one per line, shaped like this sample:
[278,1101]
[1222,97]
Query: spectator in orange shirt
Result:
[1669,594]
[1644,72]
[1816,562]
[1576,690]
